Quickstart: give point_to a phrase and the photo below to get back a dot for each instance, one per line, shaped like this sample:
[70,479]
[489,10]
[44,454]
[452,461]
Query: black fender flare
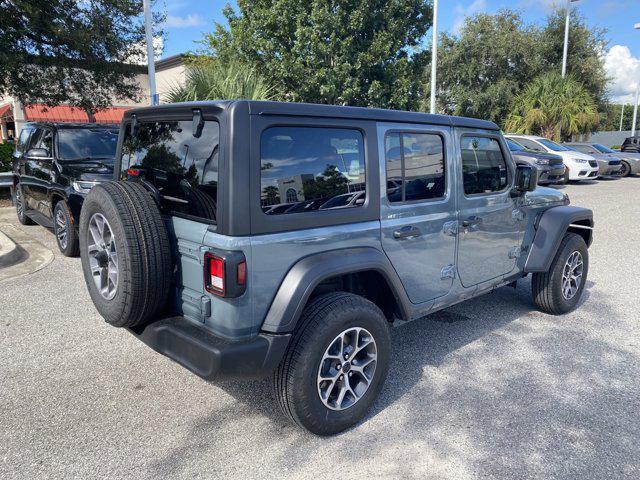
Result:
[306,275]
[551,227]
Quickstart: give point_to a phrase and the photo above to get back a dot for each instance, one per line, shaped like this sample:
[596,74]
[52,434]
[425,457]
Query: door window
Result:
[23,141]
[44,141]
[415,166]
[306,169]
[530,144]
[484,168]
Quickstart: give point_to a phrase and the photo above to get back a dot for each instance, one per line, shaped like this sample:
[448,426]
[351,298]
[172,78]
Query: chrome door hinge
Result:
[450,228]
[448,272]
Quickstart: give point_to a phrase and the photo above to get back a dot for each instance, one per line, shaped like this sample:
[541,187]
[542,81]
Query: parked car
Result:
[630,160]
[309,297]
[54,166]
[579,166]
[631,144]
[550,167]
[609,165]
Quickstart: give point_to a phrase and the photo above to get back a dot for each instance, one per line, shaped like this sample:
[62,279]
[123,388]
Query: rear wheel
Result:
[65,229]
[558,290]
[126,259]
[335,365]
[21,207]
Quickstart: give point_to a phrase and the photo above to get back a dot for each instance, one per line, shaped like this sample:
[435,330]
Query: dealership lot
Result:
[490,387]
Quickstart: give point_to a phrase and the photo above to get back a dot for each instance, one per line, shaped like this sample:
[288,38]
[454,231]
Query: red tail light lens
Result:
[134,172]
[214,274]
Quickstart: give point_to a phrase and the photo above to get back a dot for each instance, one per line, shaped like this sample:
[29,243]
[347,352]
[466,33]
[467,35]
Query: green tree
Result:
[347,52]
[66,51]
[486,64]
[332,182]
[610,117]
[215,80]
[551,103]
[494,57]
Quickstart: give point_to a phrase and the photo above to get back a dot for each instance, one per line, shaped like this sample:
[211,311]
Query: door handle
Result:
[407,232]
[471,221]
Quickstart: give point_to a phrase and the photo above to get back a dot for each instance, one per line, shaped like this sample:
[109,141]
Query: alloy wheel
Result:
[103,256]
[347,368]
[62,229]
[19,204]
[572,275]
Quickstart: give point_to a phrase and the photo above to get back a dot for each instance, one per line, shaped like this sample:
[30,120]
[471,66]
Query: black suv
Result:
[55,165]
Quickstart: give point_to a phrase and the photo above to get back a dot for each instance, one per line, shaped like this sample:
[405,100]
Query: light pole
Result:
[434,56]
[621,117]
[146,6]
[566,38]
[635,104]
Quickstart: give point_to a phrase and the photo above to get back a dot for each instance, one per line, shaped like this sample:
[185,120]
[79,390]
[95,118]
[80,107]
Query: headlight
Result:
[542,161]
[580,160]
[83,187]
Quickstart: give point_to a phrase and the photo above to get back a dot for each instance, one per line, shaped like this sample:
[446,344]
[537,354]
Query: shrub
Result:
[6,151]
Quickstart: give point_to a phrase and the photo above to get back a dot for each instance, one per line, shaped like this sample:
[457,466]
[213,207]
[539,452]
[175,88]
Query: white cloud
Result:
[547,5]
[462,12]
[624,71]
[191,20]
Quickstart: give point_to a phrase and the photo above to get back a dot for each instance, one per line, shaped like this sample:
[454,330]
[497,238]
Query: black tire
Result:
[143,252]
[625,170]
[546,287]
[565,179]
[201,204]
[295,379]
[23,218]
[65,229]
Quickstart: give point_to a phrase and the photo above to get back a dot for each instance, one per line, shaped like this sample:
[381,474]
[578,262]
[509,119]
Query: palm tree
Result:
[214,80]
[551,104]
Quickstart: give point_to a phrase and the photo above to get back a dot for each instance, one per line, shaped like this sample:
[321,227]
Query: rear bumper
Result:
[210,356]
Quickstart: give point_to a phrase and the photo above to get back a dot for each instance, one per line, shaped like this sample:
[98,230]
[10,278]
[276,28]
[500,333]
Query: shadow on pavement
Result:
[553,412]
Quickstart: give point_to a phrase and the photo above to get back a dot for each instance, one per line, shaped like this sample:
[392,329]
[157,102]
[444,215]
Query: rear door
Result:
[183,168]
[491,226]
[418,214]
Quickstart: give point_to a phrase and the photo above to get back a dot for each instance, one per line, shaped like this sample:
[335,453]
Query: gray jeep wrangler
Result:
[245,239]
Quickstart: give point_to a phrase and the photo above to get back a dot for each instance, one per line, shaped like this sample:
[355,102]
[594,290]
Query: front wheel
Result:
[23,218]
[558,290]
[625,170]
[65,229]
[336,364]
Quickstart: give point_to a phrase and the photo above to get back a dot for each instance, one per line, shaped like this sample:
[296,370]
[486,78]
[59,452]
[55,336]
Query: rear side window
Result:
[484,168]
[415,166]
[530,144]
[307,169]
[183,168]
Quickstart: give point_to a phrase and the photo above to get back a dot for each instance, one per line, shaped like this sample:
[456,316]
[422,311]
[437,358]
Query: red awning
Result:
[65,113]
[4,109]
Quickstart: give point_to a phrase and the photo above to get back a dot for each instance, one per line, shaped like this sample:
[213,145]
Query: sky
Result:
[187,21]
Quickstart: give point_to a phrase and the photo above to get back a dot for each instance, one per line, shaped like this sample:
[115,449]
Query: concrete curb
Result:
[9,252]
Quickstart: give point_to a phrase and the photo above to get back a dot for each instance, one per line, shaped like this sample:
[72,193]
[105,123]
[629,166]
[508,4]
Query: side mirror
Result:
[526,179]
[38,153]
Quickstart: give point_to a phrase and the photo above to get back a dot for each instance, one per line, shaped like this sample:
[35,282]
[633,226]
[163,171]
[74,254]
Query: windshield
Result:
[87,143]
[552,145]
[515,147]
[602,148]
[183,167]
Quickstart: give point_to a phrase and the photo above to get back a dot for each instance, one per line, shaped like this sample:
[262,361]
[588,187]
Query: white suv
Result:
[580,166]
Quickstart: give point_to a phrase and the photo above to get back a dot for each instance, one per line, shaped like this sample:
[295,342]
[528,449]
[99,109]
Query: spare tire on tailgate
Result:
[125,251]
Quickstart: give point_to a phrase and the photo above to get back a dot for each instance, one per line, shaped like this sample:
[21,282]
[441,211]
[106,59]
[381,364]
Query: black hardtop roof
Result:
[259,107]
[61,125]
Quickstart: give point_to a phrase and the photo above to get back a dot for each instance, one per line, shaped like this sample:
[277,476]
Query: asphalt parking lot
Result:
[489,388]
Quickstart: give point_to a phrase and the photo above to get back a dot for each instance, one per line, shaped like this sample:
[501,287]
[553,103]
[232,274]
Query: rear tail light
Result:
[225,273]
[135,172]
